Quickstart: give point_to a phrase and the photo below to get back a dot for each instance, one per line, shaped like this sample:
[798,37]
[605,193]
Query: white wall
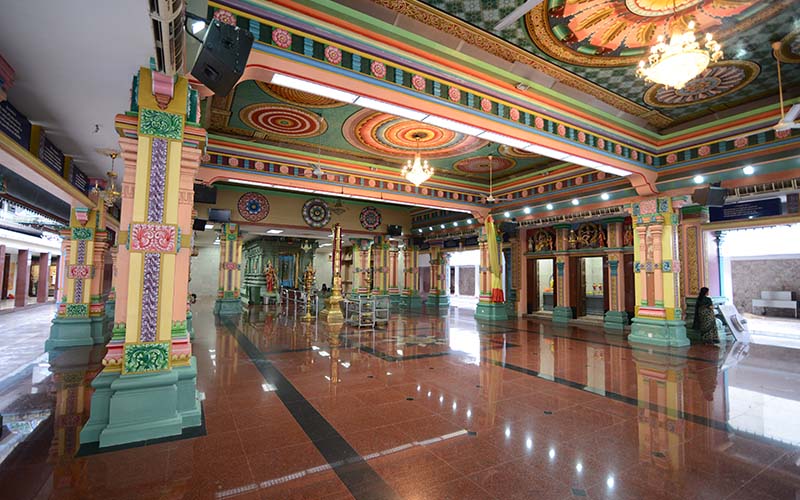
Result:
[323,267]
[205,272]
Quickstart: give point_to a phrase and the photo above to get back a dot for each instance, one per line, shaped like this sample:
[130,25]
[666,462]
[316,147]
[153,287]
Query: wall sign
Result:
[15,125]
[79,179]
[747,210]
[50,154]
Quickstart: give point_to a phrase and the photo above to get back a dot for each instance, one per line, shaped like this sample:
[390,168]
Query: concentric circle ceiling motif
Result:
[299,97]
[790,48]
[283,120]
[253,207]
[392,137]
[607,33]
[515,152]
[722,78]
[480,164]
[316,212]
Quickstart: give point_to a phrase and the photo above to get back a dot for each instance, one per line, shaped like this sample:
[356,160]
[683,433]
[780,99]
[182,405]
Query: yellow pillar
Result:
[230,270]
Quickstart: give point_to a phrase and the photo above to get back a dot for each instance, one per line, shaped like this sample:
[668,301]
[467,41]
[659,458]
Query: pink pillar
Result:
[44,277]
[641,233]
[23,277]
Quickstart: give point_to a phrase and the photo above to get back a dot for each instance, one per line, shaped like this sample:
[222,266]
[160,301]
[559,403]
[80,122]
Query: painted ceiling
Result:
[289,118]
[602,41]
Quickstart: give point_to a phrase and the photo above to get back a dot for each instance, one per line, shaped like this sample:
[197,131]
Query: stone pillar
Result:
[411,298]
[44,277]
[438,296]
[394,289]
[658,305]
[23,278]
[147,389]
[380,267]
[2,270]
[564,309]
[230,271]
[491,305]
[79,320]
[361,273]
[111,301]
[615,318]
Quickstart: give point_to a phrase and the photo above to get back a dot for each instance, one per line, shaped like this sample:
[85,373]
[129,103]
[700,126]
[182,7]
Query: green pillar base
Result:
[412,301]
[70,332]
[438,301]
[668,333]
[491,311]
[110,305]
[395,299]
[615,321]
[189,325]
[228,307]
[98,325]
[562,314]
[133,408]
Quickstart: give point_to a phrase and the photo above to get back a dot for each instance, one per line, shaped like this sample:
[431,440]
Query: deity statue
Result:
[601,238]
[530,244]
[272,278]
[627,237]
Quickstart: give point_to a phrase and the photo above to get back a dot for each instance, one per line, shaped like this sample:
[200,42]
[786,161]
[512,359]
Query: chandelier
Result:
[111,194]
[418,171]
[675,63]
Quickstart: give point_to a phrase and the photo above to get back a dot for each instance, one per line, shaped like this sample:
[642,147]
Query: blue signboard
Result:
[51,155]
[15,125]
[746,210]
[79,179]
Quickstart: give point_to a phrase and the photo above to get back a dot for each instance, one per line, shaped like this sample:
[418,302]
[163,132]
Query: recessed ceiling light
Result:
[698,179]
[441,226]
[575,201]
[549,206]
[506,214]
[274,231]
[748,170]
[430,228]
[455,224]
[527,210]
[469,221]
[605,196]
[419,230]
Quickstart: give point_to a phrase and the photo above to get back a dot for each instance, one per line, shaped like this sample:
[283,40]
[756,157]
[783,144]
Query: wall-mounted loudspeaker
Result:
[223,56]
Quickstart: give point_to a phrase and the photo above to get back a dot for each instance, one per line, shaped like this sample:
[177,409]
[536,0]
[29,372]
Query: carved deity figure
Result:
[530,244]
[272,277]
[649,243]
[601,238]
[627,237]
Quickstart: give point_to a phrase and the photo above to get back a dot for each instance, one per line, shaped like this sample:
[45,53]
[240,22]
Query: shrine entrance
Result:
[591,287]
[541,285]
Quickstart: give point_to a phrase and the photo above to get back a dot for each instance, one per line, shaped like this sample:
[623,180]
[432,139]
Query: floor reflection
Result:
[430,405]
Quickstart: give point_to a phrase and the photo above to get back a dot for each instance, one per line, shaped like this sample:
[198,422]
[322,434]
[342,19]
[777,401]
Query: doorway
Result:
[541,285]
[592,298]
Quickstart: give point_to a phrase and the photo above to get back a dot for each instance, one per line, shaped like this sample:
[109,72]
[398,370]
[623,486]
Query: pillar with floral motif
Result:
[658,294]
[438,295]
[411,298]
[111,301]
[393,253]
[362,271]
[492,304]
[615,318]
[230,272]
[80,317]
[147,389]
[564,309]
[380,267]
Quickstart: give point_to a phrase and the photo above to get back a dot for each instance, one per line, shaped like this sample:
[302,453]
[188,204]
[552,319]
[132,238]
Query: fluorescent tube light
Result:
[549,152]
[313,88]
[504,139]
[452,125]
[274,231]
[368,102]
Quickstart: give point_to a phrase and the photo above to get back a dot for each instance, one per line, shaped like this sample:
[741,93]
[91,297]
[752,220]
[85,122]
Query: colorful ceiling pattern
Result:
[601,41]
[275,115]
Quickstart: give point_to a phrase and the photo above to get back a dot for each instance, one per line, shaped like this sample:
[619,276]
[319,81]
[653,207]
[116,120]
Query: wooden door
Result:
[533,286]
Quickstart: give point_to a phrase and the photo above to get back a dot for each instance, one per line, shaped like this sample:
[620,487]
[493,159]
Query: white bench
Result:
[778,300]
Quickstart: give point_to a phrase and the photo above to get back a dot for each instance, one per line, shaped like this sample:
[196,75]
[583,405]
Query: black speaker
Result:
[711,196]
[223,56]
[199,225]
[205,194]
[394,230]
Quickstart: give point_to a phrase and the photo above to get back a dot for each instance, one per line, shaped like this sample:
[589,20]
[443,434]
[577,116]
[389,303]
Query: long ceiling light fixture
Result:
[675,63]
[437,121]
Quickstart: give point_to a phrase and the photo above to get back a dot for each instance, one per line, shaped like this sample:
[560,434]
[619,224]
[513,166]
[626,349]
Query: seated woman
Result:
[704,319]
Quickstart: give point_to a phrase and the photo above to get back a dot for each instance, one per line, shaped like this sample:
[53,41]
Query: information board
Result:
[747,210]
[15,125]
[51,155]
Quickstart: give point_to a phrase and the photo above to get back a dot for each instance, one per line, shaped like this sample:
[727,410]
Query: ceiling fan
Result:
[490,198]
[788,118]
[516,14]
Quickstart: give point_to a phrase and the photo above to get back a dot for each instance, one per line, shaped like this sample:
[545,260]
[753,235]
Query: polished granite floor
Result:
[433,407]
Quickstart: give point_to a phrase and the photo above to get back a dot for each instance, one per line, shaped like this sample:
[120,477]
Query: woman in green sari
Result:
[704,319]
